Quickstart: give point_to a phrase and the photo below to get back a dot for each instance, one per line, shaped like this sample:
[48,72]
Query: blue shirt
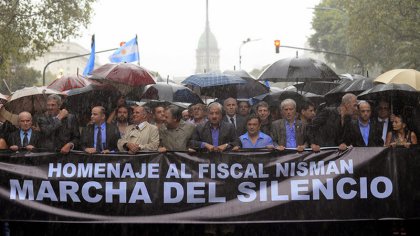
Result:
[22,135]
[103,135]
[364,130]
[214,137]
[290,134]
[263,141]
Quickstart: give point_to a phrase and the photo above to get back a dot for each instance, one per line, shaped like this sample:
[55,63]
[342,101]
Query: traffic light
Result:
[277,44]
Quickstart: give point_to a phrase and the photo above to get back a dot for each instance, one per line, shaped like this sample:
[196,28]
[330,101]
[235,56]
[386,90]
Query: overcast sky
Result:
[168,30]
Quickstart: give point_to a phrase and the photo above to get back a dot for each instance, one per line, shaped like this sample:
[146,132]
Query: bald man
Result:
[24,138]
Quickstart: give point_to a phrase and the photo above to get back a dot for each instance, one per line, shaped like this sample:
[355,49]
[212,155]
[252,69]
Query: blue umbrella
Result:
[215,84]
[212,79]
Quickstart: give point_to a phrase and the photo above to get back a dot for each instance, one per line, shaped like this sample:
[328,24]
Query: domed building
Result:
[207,53]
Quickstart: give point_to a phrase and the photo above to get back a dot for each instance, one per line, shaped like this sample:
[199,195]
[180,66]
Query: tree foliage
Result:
[28,28]
[382,33]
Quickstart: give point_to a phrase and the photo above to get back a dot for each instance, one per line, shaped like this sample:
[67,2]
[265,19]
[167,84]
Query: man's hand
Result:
[30,147]
[62,114]
[221,148]
[300,148]
[236,148]
[90,150]
[133,148]
[342,147]
[162,149]
[281,148]
[14,148]
[315,148]
[66,148]
[209,147]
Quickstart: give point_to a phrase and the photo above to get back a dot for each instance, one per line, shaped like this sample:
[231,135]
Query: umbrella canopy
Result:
[215,84]
[298,70]
[171,93]
[317,87]
[397,94]
[68,82]
[345,77]
[3,97]
[401,76]
[355,86]
[123,76]
[404,91]
[251,88]
[275,98]
[30,99]
[212,80]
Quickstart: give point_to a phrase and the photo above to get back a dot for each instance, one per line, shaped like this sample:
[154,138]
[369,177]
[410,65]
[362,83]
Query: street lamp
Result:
[240,48]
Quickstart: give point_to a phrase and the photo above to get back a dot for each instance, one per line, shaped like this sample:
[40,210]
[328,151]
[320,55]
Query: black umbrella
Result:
[398,94]
[317,87]
[274,99]
[298,70]
[252,87]
[355,86]
[171,93]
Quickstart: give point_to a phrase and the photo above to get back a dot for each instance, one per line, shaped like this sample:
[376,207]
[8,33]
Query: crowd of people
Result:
[231,125]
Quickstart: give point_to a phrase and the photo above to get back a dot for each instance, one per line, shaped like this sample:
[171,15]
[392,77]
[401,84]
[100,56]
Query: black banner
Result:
[361,183]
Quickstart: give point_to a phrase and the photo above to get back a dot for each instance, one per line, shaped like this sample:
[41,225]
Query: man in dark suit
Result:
[25,137]
[215,134]
[59,128]
[99,137]
[230,106]
[326,129]
[384,114]
[288,132]
[363,132]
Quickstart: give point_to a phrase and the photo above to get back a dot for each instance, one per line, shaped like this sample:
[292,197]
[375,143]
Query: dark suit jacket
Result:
[6,129]
[353,136]
[56,133]
[326,129]
[278,132]
[202,133]
[112,136]
[14,139]
[240,124]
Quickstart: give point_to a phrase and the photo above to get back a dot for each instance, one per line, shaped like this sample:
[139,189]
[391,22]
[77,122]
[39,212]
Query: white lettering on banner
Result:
[85,192]
[315,168]
[314,189]
[167,193]
[69,188]
[195,192]
[46,191]
[327,190]
[387,184]
[120,192]
[106,170]
[236,171]
[299,186]
[26,192]
[140,193]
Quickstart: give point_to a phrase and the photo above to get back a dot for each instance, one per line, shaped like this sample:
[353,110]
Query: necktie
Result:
[233,122]
[25,139]
[99,140]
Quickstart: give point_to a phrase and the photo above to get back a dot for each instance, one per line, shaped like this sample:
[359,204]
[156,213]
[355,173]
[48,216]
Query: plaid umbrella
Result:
[215,84]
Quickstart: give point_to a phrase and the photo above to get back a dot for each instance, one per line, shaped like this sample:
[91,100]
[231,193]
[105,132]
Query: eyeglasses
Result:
[383,108]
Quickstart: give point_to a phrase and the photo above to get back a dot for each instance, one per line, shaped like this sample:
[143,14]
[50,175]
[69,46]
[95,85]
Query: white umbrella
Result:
[30,99]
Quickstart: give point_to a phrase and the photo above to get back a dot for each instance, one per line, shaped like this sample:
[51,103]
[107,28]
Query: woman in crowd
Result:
[400,134]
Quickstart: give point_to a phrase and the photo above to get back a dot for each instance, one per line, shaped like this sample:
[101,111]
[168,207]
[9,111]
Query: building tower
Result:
[207,53]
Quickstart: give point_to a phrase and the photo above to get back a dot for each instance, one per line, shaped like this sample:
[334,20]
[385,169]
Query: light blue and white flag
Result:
[128,52]
[91,62]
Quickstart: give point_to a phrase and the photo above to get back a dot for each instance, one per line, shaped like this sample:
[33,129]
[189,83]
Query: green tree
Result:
[28,28]
[382,33]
